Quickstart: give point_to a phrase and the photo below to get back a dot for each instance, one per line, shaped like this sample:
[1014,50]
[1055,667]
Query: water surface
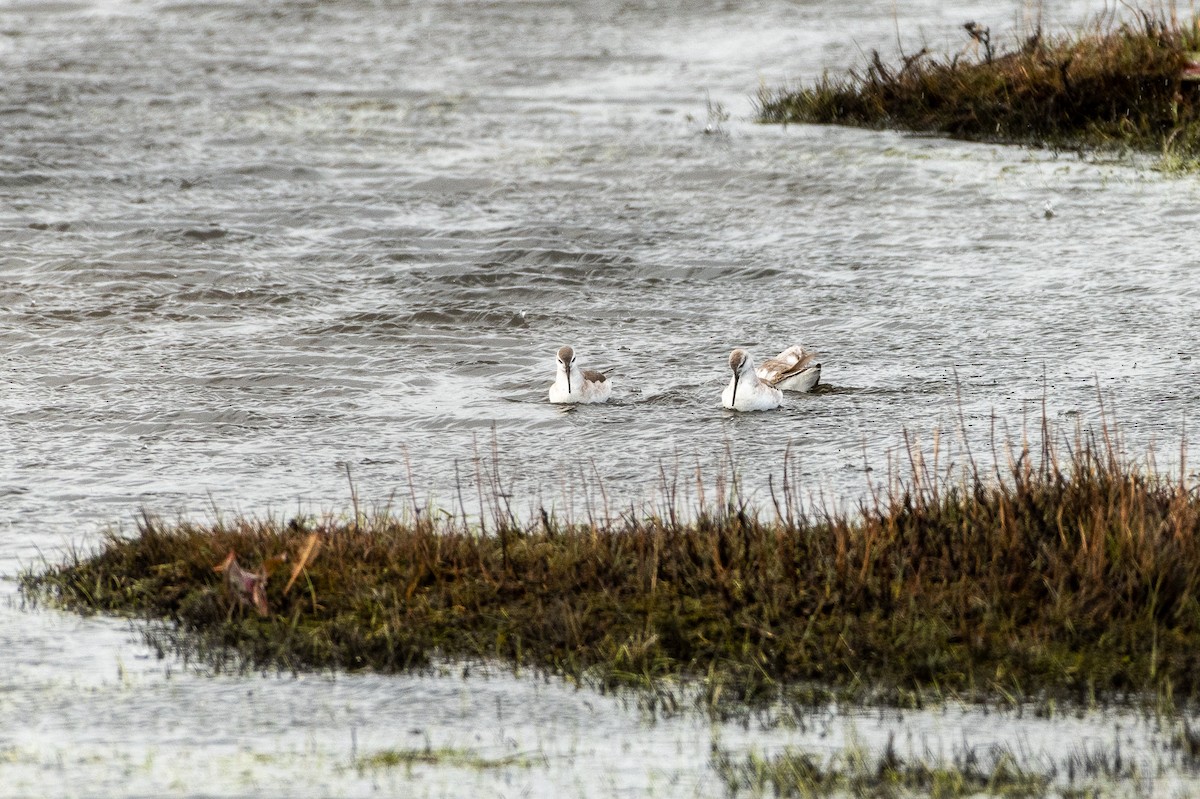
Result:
[247,245]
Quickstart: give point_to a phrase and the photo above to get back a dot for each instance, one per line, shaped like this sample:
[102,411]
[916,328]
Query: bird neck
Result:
[576,380]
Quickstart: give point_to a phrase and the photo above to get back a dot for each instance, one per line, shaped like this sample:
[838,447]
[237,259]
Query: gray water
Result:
[250,245]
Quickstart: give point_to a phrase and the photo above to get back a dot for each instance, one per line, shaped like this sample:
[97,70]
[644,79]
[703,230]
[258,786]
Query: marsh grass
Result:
[855,773]
[1060,570]
[1111,86]
[1086,771]
[453,758]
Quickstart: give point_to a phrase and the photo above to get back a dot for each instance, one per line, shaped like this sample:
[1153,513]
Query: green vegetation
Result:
[966,770]
[455,758]
[1075,577]
[853,774]
[1119,86]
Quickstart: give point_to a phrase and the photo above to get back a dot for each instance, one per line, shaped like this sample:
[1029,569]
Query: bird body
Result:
[794,369]
[746,392]
[575,385]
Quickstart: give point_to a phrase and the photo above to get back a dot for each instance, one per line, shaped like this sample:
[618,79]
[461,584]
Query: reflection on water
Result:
[247,244]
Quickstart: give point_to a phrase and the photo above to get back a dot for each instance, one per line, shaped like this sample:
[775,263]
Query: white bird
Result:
[572,384]
[791,370]
[745,391]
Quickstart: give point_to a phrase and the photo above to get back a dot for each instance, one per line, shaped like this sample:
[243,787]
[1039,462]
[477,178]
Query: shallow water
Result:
[249,245]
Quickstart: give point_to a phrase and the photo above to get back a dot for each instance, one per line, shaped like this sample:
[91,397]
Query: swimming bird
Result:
[572,384]
[791,370]
[745,391]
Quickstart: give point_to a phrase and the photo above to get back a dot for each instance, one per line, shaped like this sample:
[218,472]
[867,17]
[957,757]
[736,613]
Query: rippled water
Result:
[249,244]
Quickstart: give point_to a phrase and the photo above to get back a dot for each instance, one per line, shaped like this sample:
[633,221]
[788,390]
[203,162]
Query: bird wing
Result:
[592,376]
[790,362]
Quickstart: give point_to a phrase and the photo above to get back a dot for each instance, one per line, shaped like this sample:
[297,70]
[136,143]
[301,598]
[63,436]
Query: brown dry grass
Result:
[1066,572]
[1112,86]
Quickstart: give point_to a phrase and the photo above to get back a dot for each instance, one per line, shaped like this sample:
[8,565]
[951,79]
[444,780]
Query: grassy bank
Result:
[1067,573]
[1111,86]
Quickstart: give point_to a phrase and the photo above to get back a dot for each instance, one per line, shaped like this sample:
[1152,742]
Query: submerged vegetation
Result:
[793,773]
[1115,85]
[1063,571]
[454,758]
[994,770]
[919,768]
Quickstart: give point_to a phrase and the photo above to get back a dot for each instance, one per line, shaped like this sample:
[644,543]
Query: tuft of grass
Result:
[1064,571]
[794,773]
[995,770]
[454,758]
[1112,86]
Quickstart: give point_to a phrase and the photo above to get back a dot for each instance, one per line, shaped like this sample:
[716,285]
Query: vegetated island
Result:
[1113,86]
[1076,577]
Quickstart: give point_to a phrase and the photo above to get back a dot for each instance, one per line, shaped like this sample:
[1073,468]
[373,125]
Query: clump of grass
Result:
[794,773]
[1116,86]
[1063,571]
[453,758]
[994,770]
